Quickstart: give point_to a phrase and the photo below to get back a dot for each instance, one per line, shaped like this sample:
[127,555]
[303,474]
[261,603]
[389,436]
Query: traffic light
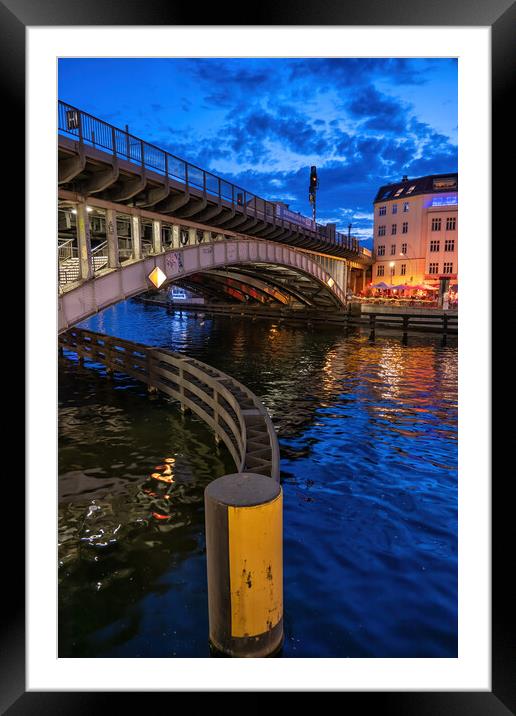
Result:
[314,183]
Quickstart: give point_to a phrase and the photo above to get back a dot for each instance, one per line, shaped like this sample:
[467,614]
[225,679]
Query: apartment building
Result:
[415,231]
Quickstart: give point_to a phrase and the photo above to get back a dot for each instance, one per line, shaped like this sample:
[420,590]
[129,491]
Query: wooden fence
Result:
[233,412]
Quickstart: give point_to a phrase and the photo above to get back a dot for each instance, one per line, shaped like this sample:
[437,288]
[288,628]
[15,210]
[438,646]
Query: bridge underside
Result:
[90,171]
[261,283]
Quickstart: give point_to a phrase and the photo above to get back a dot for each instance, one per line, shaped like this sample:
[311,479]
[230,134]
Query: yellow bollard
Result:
[244,525]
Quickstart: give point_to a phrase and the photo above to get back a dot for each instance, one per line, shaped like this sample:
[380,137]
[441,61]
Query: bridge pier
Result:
[84,242]
[136,235]
[156,236]
[112,239]
[176,239]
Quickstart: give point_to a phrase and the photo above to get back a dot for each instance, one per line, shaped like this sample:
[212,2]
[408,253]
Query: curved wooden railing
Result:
[233,412]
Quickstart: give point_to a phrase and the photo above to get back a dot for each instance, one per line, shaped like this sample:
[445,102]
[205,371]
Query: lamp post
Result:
[405,255]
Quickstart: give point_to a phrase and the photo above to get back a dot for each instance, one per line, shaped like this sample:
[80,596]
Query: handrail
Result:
[99,248]
[235,414]
[66,250]
[96,132]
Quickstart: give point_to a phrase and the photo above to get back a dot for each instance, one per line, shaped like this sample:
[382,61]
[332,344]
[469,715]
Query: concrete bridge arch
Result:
[85,298]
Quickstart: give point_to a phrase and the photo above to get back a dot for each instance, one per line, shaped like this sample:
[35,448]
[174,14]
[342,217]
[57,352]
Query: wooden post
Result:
[405,326]
[245,564]
[372,324]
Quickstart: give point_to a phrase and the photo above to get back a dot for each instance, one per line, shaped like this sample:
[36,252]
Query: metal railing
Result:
[66,249]
[235,414]
[96,133]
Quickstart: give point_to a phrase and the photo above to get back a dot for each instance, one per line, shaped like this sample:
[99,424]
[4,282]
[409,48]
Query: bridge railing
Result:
[95,132]
[234,413]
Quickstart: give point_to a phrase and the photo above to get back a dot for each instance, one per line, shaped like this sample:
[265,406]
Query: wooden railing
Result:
[440,322]
[233,412]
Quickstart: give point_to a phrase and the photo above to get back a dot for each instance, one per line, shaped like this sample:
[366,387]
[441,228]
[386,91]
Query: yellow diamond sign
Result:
[157,277]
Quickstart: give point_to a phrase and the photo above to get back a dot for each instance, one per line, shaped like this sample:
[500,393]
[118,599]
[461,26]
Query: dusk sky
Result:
[263,122]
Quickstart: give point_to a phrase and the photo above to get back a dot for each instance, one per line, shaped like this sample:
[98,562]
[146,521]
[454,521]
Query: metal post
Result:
[112,239]
[84,242]
[192,235]
[245,564]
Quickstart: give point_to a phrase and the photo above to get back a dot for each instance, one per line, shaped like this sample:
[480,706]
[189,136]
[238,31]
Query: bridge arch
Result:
[83,299]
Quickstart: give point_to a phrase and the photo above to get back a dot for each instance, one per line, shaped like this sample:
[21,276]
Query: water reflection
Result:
[368,435]
[132,474]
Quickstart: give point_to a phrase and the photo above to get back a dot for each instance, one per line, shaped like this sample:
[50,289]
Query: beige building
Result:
[415,231]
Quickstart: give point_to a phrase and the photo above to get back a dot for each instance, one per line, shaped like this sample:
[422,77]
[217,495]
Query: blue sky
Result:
[263,122]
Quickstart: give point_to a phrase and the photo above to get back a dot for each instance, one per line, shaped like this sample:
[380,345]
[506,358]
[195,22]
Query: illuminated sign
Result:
[157,277]
[448,200]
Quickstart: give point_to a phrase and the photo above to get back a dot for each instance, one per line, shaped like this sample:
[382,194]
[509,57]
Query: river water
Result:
[368,441]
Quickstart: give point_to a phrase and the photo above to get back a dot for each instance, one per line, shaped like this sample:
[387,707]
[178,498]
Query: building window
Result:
[393,249]
[449,245]
[436,224]
[381,230]
[403,248]
[380,270]
[381,250]
[398,192]
[403,271]
[433,268]
[405,206]
[404,227]
[450,223]
[435,245]
[394,229]
[448,267]
[382,211]
[394,208]
[410,189]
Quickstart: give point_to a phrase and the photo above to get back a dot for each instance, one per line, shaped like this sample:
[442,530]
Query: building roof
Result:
[432,184]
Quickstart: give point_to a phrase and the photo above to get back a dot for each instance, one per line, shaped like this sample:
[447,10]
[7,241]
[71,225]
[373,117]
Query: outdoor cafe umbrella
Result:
[402,287]
[424,288]
[382,285]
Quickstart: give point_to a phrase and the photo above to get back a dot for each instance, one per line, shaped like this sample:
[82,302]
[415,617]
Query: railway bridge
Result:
[126,207]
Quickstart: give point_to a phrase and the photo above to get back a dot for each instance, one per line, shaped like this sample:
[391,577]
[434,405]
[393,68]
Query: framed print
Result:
[127,203]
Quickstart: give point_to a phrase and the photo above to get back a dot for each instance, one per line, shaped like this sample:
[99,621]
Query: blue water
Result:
[368,440]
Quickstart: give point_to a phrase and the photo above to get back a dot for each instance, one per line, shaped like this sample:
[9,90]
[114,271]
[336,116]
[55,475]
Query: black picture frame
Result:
[500,16]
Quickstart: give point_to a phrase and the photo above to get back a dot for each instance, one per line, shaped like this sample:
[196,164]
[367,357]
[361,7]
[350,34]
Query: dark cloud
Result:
[377,110]
[266,120]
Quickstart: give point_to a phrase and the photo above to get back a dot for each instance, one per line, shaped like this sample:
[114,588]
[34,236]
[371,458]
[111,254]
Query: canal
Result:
[368,440]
